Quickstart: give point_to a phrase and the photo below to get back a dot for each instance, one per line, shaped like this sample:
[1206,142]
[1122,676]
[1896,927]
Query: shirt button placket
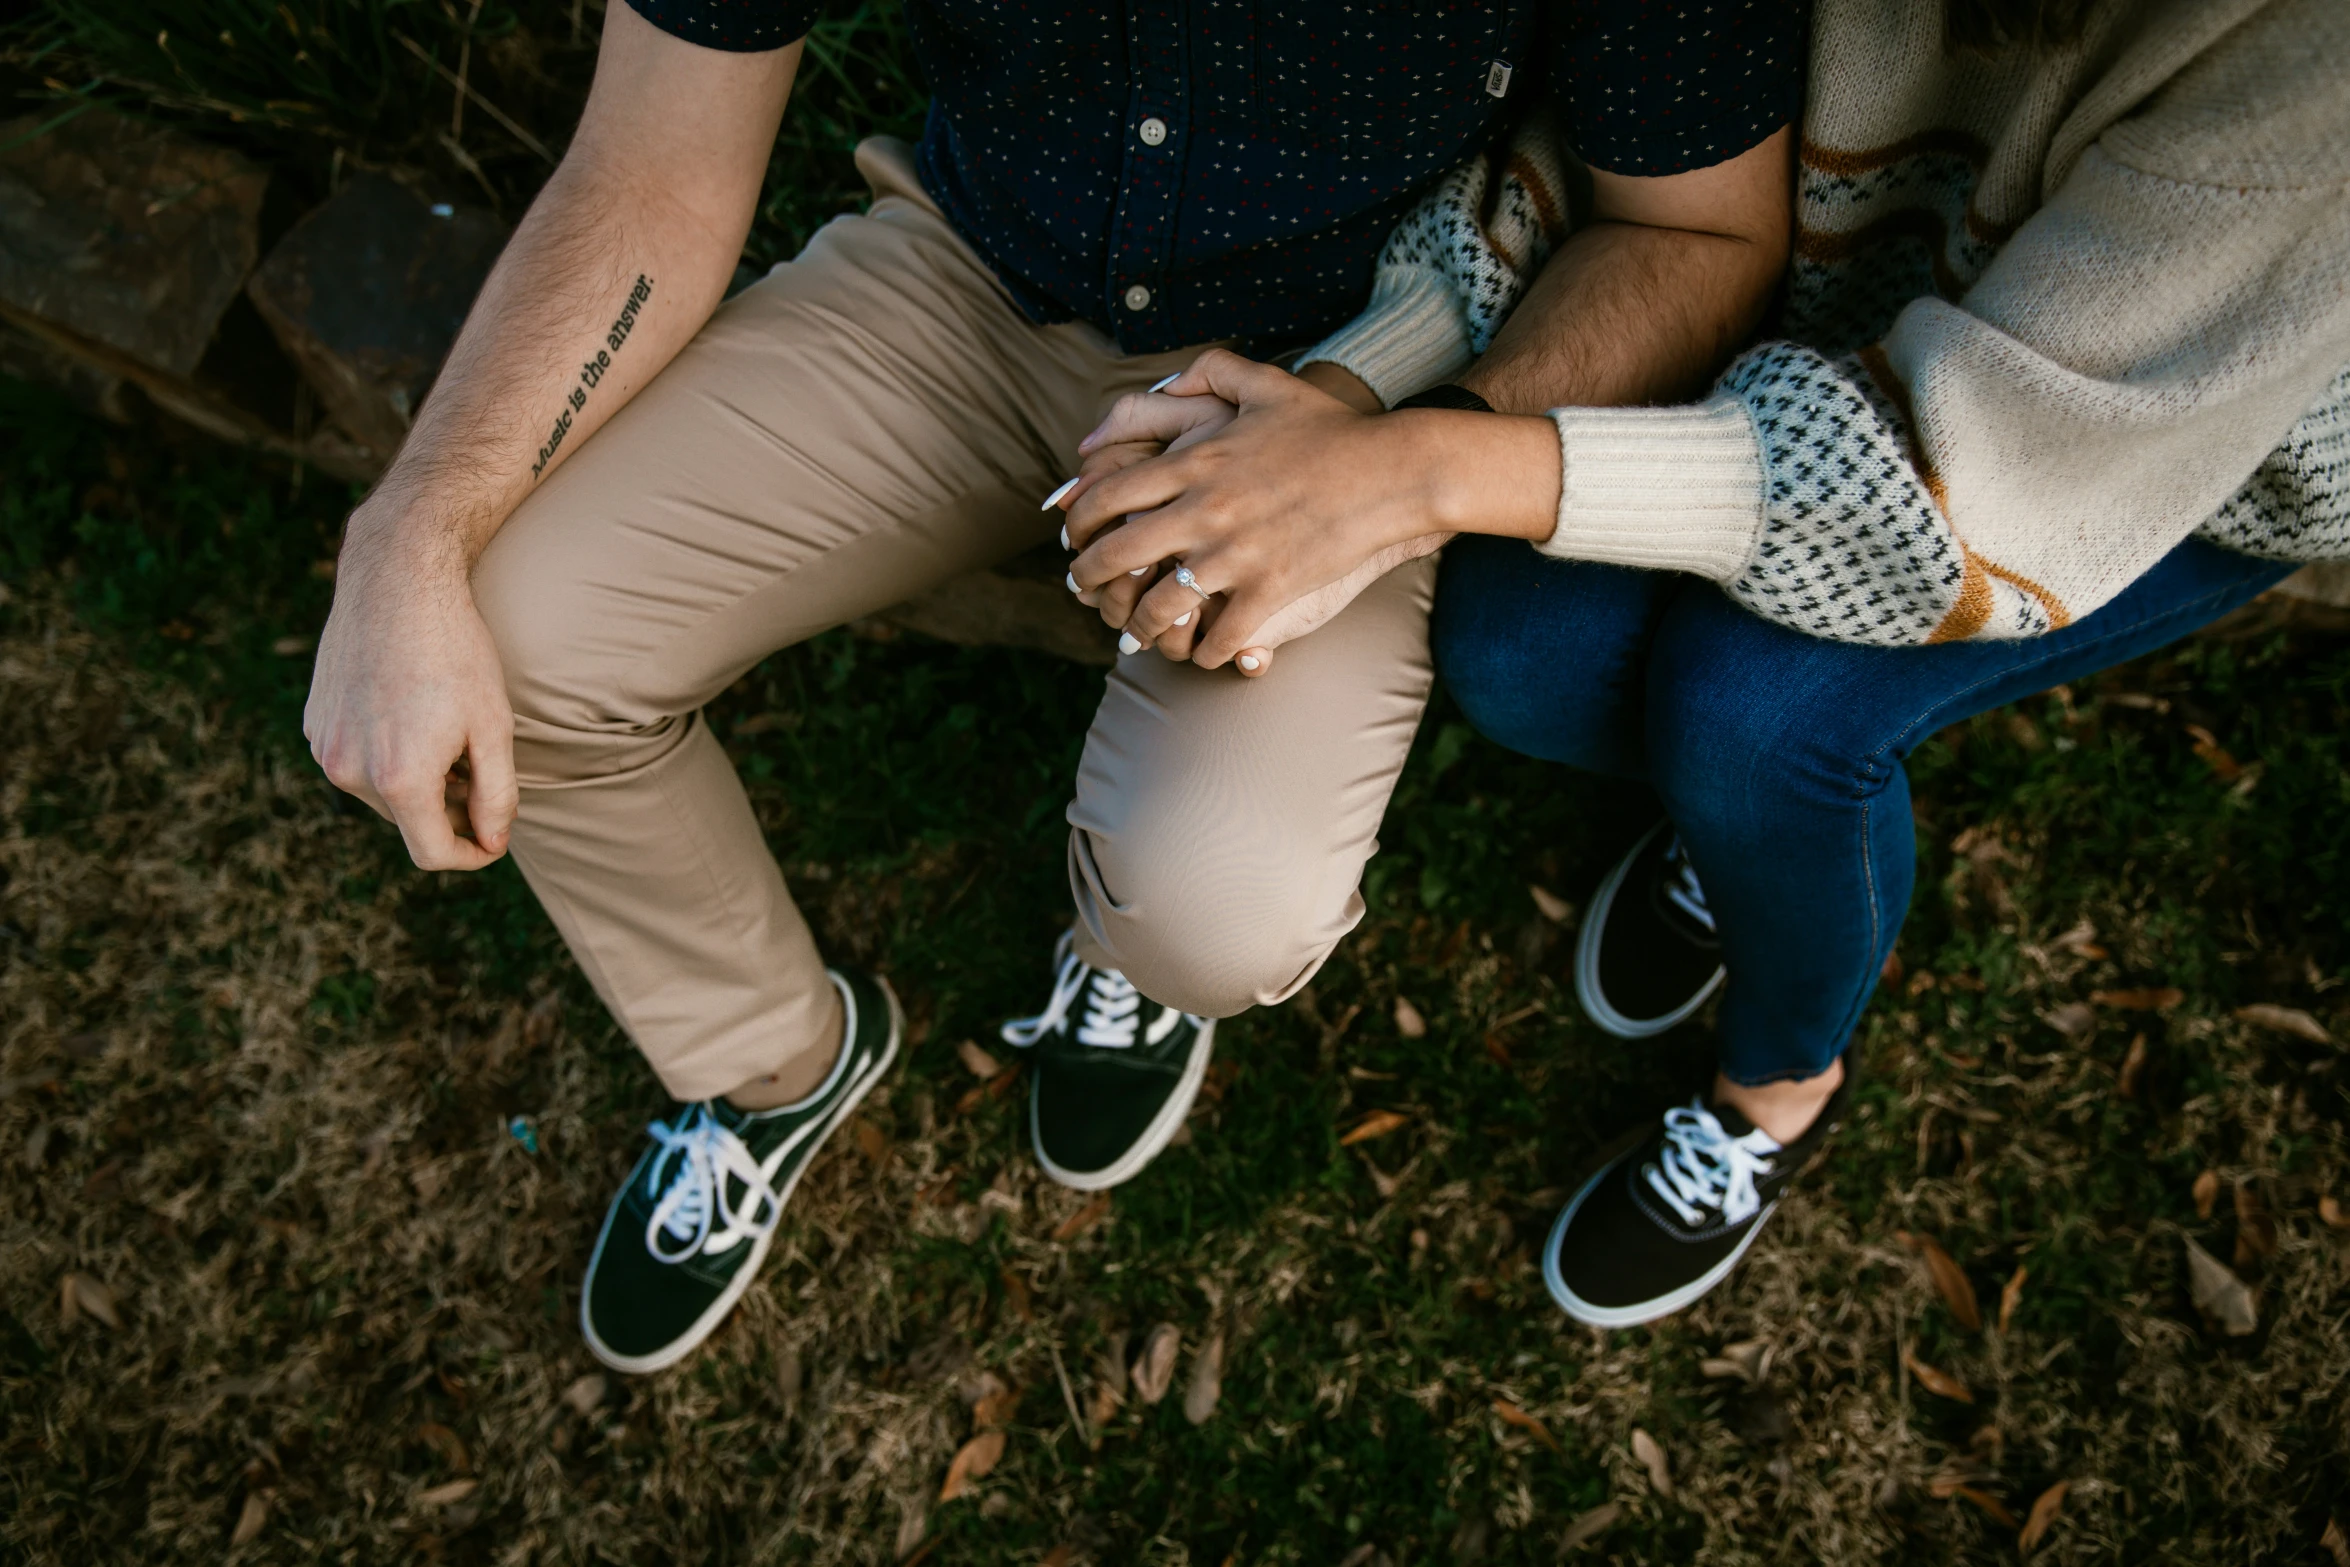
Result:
[1142,228]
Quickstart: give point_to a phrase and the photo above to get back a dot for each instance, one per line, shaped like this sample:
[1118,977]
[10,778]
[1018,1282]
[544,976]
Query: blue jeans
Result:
[1778,755]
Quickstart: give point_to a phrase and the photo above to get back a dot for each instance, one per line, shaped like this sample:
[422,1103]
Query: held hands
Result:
[1282,500]
[408,706]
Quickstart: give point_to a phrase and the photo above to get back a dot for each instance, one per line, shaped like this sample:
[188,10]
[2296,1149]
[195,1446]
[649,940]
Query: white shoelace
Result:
[1113,1009]
[690,1173]
[1702,1166]
[1683,890]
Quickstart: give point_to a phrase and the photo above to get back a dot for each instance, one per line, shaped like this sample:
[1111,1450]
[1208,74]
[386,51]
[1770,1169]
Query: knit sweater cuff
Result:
[1413,334]
[1670,489]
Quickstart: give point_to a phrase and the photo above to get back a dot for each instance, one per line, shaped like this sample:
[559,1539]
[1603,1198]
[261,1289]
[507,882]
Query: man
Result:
[621,496]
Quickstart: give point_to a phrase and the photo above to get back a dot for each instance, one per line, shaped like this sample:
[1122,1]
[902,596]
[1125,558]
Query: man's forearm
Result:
[595,293]
[1626,314]
[617,264]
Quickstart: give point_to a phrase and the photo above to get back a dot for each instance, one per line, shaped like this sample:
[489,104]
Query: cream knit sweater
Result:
[2048,316]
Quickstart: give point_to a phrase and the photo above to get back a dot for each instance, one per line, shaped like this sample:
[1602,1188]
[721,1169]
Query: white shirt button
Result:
[1138,298]
[1153,131]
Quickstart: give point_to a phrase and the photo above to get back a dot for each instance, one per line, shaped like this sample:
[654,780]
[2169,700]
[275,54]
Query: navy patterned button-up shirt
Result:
[1180,171]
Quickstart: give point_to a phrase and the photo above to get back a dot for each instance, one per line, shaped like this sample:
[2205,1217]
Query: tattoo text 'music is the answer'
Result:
[592,373]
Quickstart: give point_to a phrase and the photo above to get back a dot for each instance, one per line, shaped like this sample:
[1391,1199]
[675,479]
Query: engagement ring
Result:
[1184,576]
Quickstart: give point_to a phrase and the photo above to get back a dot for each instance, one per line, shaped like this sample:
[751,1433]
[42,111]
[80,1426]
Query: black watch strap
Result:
[1458,398]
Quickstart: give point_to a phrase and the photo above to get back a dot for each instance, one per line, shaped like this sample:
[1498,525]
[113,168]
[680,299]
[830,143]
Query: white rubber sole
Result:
[707,1323]
[1155,1136]
[1663,1305]
[1587,991]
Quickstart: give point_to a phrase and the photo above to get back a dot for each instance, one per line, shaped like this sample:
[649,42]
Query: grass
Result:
[257,1075]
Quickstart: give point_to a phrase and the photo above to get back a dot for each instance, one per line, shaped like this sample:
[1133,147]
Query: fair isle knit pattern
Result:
[1852,547]
[2297,506]
[1455,268]
[1965,432]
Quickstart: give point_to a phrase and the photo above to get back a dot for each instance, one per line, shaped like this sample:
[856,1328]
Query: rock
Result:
[124,236]
[366,294]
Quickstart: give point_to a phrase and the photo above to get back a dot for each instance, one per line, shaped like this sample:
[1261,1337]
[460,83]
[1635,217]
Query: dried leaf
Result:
[977,1061]
[971,1463]
[1377,1124]
[1989,1503]
[2011,1294]
[1889,974]
[586,1393]
[1207,1381]
[872,1143]
[1016,1294]
[1154,1368]
[2043,1516]
[1408,1021]
[2219,1293]
[2215,756]
[1059,1556]
[1511,1414]
[1591,1525]
[1936,1381]
[2329,1209]
[2125,1082]
[1950,1280]
[78,1292]
[443,1495]
[992,1410]
[2072,1020]
[446,1443]
[1083,1219]
[2159,998]
[1100,1405]
[2336,1542]
[2081,940]
[1652,1458]
[1725,1368]
[1554,908]
[251,1519]
[2285,1020]
[2255,1230]
[2206,1193]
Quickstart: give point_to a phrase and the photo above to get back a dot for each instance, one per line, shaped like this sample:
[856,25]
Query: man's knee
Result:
[1210,927]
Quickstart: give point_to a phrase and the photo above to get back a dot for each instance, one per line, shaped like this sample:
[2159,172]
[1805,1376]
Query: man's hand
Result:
[617,264]
[1297,495]
[408,707]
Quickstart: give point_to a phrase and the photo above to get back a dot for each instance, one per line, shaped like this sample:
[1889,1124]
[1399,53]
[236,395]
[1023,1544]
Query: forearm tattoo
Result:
[593,371]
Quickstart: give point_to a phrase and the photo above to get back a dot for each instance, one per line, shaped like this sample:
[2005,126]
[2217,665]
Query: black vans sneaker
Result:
[1648,956]
[1660,1225]
[1114,1081]
[686,1234]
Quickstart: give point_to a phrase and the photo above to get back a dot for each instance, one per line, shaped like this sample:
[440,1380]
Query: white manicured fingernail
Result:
[1072,579]
[1248,661]
[1127,644]
[1140,571]
[1183,619]
[1064,535]
[1169,381]
[1054,499]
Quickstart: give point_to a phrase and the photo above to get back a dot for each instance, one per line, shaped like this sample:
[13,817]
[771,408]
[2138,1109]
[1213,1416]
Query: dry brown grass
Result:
[342,1286]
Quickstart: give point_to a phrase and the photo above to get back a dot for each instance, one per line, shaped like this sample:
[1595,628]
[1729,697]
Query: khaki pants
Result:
[875,418]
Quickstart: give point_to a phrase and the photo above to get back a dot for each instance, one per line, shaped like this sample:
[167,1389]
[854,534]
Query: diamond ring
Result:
[1184,576]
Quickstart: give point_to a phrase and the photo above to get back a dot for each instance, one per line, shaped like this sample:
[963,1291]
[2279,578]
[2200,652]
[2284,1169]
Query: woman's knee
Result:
[1541,655]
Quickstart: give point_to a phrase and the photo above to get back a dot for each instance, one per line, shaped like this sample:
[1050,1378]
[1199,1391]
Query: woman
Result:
[2059,378]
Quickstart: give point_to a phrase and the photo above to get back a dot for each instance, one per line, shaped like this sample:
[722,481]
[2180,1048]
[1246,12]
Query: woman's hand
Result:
[1295,495]
[1149,425]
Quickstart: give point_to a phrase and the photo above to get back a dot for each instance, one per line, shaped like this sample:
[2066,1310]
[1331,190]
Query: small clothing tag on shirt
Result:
[1497,78]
